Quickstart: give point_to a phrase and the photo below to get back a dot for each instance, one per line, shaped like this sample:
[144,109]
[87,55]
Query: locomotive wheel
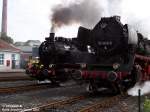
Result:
[115,88]
[92,87]
[54,82]
[76,75]
[40,78]
[27,71]
[62,76]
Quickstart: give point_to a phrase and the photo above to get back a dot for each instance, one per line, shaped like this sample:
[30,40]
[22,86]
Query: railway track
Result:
[107,103]
[23,88]
[56,104]
[13,76]
[95,107]
[7,79]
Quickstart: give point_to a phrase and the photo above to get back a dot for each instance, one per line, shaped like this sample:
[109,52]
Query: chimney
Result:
[51,37]
[4,18]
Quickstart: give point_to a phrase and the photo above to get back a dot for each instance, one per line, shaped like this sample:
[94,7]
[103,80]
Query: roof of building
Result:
[19,43]
[4,46]
[28,43]
[34,41]
[25,48]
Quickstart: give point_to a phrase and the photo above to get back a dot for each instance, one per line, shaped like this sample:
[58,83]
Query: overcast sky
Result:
[30,19]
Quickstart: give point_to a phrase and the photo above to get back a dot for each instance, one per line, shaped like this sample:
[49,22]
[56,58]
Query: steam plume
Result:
[53,28]
[86,13]
[145,89]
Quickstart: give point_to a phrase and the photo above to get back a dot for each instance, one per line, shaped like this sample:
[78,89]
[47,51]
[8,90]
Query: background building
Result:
[28,49]
[9,56]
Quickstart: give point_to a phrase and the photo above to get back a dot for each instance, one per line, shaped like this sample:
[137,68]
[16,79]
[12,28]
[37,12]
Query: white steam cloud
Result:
[144,87]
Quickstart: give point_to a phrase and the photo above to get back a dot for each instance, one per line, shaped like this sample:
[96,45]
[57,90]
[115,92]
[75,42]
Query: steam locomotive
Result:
[110,55]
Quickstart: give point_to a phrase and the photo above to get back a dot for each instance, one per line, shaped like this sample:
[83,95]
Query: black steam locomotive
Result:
[110,55]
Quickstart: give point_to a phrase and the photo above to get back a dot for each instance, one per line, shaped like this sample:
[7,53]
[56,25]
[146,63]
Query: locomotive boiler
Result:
[110,55]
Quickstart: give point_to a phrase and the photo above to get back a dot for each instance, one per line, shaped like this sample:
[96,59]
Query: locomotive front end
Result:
[114,47]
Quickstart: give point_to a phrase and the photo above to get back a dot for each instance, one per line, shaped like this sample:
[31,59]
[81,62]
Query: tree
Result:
[7,38]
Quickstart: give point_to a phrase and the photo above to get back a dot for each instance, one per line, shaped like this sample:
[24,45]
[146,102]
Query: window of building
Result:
[1,59]
[13,57]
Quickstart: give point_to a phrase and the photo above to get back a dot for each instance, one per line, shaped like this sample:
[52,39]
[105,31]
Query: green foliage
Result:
[147,105]
[7,39]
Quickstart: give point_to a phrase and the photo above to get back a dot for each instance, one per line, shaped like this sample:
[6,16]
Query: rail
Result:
[108,103]
[56,104]
[22,88]
[7,79]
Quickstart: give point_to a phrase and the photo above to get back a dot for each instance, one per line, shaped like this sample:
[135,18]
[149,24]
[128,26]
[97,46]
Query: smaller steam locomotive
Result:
[110,55]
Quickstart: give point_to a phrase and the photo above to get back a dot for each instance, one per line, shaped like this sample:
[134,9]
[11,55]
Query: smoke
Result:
[145,89]
[86,13]
[53,27]
[114,7]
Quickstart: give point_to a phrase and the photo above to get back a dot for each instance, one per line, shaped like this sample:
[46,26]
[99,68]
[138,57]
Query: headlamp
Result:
[116,66]
[83,65]
[51,65]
